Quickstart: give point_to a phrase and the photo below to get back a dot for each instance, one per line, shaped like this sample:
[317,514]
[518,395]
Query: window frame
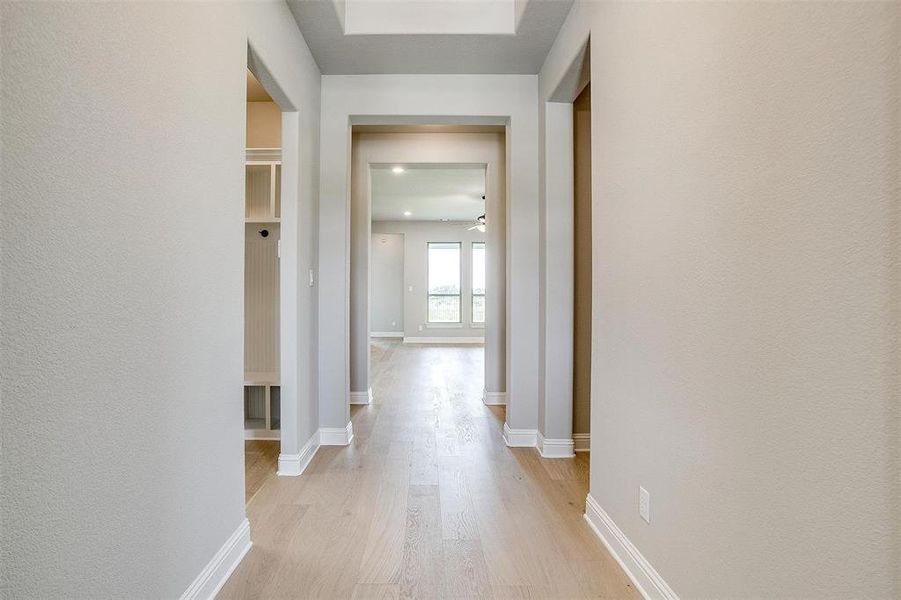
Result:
[429,294]
[472,284]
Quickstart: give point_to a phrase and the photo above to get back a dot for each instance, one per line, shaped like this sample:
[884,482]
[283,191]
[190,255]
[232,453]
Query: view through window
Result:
[444,282]
[478,282]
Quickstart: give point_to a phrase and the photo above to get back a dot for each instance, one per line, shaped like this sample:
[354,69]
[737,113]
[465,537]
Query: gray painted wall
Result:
[416,236]
[122,227]
[386,288]
[746,290]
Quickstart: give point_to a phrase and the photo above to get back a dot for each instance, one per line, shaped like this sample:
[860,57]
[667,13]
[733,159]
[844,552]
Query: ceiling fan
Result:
[480,221]
[480,224]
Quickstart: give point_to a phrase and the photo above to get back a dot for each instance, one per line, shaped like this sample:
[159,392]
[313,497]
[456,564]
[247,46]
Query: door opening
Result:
[441,195]
[428,281]
[262,244]
[582,242]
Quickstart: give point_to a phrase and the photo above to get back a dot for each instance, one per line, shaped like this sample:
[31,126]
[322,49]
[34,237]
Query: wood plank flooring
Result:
[427,502]
[260,463]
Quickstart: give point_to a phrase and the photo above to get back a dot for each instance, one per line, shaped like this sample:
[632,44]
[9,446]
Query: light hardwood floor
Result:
[427,502]
[260,463]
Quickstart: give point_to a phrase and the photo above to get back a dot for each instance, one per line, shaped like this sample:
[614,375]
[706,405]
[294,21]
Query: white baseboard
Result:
[262,434]
[217,571]
[292,465]
[646,579]
[444,340]
[386,334]
[554,448]
[360,397]
[520,438]
[336,436]
[582,442]
[494,398]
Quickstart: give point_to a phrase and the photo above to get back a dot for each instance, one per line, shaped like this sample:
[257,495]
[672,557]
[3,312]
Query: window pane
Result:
[478,309]
[444,309]
[444,268]
[478,268]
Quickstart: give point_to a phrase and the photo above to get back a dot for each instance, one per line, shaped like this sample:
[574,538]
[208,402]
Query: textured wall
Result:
[122,260]
[746,290]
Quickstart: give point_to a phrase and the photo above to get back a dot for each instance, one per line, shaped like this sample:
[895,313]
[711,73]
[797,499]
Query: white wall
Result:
[437,99]
[485,148]
[416,236]
[746,290]
[386,309]
[122,259]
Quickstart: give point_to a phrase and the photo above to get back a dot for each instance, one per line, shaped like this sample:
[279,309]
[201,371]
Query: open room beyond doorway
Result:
[427,250]
[428,258]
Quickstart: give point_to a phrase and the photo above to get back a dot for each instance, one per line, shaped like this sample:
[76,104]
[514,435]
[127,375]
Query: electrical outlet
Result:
[644,504]
[394,323]
[410,288]
[420,328]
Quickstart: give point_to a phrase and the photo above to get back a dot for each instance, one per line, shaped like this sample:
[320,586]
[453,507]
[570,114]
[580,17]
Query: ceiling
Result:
[429,192]
[536,23]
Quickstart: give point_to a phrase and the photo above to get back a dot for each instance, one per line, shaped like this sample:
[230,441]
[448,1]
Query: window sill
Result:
[444,325]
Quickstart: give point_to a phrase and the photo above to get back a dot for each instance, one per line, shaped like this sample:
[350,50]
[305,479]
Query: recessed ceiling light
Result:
[397,170]
[407,213]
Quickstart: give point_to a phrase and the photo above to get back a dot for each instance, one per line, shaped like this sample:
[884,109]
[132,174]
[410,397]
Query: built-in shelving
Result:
[262,213]
[263,182]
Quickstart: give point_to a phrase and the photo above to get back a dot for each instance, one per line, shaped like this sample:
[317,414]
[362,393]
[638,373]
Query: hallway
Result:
[427,502]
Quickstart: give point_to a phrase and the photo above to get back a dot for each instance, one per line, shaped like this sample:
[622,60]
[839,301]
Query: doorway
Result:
[262,244]
[582,249]
[427,266]
[415,182]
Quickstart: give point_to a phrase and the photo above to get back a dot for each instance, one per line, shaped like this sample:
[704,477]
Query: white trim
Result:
[292,465]
[444,340]
[224,562]
[263,156]
[494,398]
[262,434]
[386,334]
[520,438]
[440,325]
[582,441]
[336,436]
[554,448]
[360,397]
[646,579]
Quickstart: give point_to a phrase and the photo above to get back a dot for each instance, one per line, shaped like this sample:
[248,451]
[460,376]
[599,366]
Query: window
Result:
[444,282]
[478,282]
